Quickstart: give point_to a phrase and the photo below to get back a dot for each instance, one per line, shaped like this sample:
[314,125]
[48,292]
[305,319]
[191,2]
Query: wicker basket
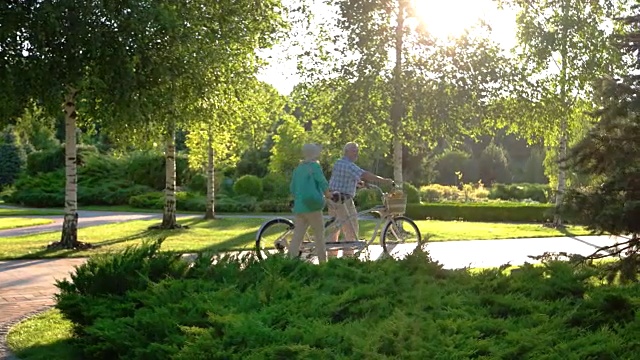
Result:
[396,203]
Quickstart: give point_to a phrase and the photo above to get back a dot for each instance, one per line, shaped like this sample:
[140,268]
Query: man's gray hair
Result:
[350,146]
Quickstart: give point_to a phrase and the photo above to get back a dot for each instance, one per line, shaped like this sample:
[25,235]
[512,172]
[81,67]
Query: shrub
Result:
[449,163]
[494,165]
[413,195]
[367,198]
[483,212]
[436,192]
[198,183]
[44,190]
[274,206]
[190,202]
[144,304]
[100,182]
[474,192]
[148,168]
[536,192]
[45,161]
[276,186]
[238,204]
[249,185]
[194,202]
[151,200]
[134,268]
[111,192]
[12,158]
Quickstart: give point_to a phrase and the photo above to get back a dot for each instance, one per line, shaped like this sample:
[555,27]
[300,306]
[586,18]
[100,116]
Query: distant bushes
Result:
[469,192]
[45,161]
[249,185]
[477,192]
[138,179]
[536,192]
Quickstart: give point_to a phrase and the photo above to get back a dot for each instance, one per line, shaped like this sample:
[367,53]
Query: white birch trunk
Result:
[397,107]
[562,146]
[169,216]
[397,160]
[69,238]
[210,213]
[562,173]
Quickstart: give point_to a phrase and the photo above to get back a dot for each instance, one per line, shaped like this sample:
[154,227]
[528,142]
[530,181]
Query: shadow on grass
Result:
[573,236]
[6,266]
[223,223]
[62,253]
[241,242]
[57,350]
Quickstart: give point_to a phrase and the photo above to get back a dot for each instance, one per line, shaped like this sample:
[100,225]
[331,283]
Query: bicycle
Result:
[391,223]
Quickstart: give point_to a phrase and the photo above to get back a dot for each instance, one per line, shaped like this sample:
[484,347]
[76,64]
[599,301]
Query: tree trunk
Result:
[562,173]
[210,213]
[69,239]
[562,145]
[397,107]
[169,216]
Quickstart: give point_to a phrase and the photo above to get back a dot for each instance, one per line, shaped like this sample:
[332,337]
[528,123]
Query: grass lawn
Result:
[238,233]
[30,212]
[43,337]
[16,222]
[115,208]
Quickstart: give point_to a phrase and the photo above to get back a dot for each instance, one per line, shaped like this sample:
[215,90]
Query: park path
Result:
[88,218]
[27,286]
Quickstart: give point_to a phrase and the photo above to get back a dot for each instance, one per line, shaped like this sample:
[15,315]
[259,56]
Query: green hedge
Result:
[145,304]
[483,212]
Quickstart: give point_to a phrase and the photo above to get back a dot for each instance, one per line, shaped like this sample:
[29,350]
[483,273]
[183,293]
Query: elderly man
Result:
[344,179]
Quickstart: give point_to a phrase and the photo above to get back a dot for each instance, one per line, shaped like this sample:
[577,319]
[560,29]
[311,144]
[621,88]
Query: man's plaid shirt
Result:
[345,177]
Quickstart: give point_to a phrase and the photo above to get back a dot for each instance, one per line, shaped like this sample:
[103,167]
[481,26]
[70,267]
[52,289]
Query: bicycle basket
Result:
[396,203]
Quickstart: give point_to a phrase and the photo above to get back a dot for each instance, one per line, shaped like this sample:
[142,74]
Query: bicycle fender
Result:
[278,220]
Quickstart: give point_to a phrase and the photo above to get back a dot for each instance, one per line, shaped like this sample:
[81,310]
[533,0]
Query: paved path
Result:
[85,219]
[88,218]
[27,287]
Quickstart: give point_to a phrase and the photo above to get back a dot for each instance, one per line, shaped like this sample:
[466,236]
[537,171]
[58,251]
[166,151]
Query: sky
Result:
[443,18]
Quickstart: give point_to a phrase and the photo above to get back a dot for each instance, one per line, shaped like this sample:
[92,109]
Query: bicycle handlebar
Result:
[376,187]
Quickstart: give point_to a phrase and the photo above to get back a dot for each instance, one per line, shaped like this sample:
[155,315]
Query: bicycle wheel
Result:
[400,237]
[274,237]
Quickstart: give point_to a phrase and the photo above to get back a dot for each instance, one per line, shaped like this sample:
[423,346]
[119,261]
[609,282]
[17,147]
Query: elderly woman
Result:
[309,188]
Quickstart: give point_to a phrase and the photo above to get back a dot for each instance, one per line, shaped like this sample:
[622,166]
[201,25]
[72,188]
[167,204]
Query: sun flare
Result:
[444,18]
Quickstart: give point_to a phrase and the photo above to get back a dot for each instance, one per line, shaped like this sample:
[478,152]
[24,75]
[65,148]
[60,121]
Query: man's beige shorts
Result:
[347,215]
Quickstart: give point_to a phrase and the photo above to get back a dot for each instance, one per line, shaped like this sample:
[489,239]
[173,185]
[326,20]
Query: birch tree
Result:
[563,48]
[132,65]
[421,92]
[200,41]
[70,56]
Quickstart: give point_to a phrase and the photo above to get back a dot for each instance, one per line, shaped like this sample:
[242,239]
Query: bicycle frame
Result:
[336,225]
[386,216]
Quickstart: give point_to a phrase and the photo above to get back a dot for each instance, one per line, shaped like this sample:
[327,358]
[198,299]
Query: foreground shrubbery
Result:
[149,305]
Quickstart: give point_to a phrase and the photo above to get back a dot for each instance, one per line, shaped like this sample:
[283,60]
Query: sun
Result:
[445,18]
